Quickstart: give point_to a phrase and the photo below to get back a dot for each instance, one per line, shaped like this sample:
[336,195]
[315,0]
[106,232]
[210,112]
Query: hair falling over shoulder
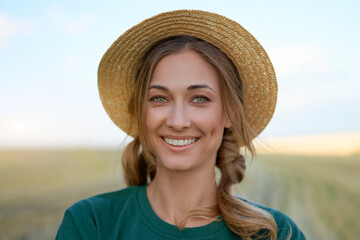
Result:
[139,164]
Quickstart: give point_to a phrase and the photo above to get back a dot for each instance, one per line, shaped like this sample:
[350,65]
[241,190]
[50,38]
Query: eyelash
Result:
[156,99]
[206,99]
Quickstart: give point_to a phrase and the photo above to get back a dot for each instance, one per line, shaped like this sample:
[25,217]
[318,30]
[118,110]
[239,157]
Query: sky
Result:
[50,52]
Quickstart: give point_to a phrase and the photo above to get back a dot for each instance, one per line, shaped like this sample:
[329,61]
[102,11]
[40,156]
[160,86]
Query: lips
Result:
[180,142]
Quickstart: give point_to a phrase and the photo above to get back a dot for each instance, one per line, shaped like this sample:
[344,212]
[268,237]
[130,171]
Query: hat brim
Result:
[117,68]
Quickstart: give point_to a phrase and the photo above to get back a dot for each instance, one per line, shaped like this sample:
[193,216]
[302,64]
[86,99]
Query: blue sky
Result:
[50,51]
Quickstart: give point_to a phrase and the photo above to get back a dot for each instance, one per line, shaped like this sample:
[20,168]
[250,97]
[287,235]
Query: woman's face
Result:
[184,117]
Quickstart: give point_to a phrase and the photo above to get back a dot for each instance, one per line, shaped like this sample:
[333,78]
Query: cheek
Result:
[212,120]
[153,121]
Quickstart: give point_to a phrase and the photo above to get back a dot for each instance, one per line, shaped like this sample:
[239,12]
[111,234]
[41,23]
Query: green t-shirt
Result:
[127,214]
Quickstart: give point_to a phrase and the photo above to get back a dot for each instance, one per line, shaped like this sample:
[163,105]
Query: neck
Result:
[172,194]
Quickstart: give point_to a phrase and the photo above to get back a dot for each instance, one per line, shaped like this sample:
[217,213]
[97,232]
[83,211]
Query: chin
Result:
[177,164]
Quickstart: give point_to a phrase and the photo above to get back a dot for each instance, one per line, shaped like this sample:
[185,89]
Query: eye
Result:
[200,99]
[158,99]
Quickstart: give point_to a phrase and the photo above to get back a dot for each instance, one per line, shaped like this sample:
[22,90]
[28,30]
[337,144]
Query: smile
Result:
[179,142]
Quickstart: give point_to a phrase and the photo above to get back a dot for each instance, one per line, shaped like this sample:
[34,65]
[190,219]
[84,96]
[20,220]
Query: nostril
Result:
[178,125]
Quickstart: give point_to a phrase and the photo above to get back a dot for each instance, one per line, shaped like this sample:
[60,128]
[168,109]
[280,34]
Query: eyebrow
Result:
[191,87]
[159,87]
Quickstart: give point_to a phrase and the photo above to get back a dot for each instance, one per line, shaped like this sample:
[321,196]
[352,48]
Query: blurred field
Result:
[321,194]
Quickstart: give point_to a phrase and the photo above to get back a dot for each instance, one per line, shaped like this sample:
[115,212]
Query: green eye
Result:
[159,99]
[200,99]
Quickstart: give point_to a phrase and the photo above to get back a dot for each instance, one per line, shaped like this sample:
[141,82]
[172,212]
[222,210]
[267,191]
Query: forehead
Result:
[183,69]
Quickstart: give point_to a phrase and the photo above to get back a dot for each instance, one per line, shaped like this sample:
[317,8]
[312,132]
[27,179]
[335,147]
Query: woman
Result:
[191,87]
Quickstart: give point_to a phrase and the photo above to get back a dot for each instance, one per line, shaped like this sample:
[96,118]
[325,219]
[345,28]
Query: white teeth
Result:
[179,143]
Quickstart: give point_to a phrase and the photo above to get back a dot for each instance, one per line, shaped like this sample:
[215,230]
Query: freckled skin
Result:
[176,108]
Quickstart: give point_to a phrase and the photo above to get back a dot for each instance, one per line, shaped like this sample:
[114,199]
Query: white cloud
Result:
[11,28]
[308,77]
[291,60]
[71,25]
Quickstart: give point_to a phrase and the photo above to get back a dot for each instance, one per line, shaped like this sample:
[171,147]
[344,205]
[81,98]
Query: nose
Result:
[178,118]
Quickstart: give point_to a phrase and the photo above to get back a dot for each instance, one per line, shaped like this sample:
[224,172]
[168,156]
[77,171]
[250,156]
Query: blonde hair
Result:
[139,163]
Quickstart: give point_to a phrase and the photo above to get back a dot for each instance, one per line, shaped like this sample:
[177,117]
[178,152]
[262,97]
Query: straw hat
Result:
[117,68]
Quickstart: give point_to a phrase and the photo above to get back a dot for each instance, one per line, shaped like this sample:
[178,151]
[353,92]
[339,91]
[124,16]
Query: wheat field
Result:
[321,194]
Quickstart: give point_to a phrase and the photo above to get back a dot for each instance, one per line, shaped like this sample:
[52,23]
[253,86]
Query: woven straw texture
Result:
[117,68]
